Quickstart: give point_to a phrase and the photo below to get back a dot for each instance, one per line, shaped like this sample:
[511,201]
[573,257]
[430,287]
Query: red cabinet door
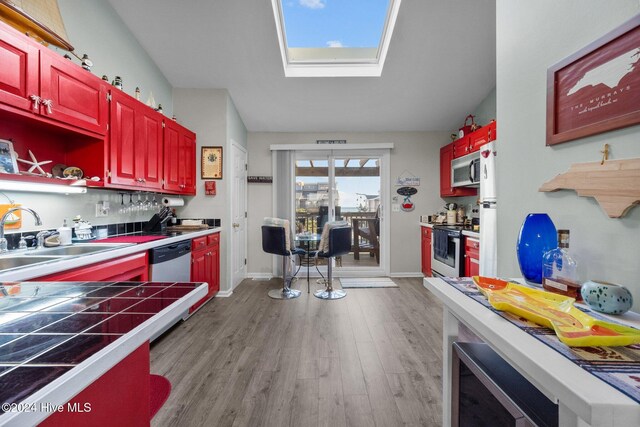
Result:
[199,263]
[179,159]
[19,70]
[148,147]
[461,146]
[483,135]
[446,155]
[426,251]
[76,96]
[171,157]
[214,270]
[471,257]
[122,149]
[189,146]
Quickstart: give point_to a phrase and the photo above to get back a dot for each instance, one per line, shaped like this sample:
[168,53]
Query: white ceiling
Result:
[440,65]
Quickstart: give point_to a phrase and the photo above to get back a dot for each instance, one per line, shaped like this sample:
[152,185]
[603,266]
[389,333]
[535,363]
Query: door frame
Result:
[354,150]
[232,248]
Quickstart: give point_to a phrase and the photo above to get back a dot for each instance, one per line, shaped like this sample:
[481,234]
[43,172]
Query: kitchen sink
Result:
[21,261]
[31,257]
[75,249]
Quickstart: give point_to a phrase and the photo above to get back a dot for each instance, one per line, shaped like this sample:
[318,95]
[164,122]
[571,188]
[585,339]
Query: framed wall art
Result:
[596,89]
[211,163]
[8,158]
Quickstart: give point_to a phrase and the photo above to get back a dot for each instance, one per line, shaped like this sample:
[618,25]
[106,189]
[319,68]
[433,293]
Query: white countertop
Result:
[561,380]
[472,234]
[63,264]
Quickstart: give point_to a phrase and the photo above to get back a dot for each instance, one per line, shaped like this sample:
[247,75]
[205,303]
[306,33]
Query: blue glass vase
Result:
[537,236]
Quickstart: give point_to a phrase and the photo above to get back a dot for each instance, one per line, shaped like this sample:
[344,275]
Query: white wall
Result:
[416,152]
[486,110]
[96,29]
[210,113]
[531,36]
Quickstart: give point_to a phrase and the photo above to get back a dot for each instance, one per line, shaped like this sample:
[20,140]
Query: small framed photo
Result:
[8,159]
[211,163]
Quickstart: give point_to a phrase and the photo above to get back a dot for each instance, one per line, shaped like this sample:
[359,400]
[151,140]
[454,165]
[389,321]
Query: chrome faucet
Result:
[3,241]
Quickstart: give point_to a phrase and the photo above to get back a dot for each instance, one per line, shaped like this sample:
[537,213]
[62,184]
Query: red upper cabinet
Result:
[122,150]
[179,159]
[71,94]
[37,80]
[483,135]
[135,150]
[149,142]
[172,158]
[189,147]
[472,142]
[446,190]
[18,71]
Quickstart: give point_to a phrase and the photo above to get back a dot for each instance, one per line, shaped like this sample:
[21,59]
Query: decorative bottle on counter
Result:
[559,270]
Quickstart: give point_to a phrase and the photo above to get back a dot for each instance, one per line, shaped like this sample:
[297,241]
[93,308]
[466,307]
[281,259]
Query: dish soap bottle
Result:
[65,234]
[559,270]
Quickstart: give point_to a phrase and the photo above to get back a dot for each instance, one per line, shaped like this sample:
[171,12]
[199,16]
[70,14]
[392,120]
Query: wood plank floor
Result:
[370,359]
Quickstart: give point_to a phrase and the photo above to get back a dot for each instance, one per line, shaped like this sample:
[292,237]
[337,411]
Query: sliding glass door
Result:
[342,186]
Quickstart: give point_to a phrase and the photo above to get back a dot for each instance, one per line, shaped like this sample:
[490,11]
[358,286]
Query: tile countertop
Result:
[51,267]
[57,338]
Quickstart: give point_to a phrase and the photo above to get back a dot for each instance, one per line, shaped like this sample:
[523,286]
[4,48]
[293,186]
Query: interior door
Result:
[238,214]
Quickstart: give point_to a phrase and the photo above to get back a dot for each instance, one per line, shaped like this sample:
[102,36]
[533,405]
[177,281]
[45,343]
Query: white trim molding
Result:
[334,147]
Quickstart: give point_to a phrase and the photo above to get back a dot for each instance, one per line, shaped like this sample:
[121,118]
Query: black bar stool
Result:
[274,242]
[339,244]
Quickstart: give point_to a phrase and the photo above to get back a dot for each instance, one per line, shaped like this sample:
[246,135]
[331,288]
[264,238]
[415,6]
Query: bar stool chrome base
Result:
[286,293]
[330,294]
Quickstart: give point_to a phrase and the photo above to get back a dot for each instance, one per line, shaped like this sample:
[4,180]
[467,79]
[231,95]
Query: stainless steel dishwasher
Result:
[171,263]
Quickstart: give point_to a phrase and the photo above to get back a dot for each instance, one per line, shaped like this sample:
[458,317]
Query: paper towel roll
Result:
[172,201]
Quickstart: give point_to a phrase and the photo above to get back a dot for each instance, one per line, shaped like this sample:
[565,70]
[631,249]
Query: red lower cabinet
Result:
[205,265]
[426,251]
[471,257]
[129,268]
[120,397]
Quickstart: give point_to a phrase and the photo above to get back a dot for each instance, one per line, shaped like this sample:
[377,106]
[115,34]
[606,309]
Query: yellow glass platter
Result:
[572,326]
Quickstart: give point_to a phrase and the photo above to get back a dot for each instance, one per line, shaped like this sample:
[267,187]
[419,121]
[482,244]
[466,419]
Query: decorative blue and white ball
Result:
[606,297]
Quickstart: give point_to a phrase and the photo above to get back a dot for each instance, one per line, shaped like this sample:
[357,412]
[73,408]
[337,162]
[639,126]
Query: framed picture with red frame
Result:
[597,89]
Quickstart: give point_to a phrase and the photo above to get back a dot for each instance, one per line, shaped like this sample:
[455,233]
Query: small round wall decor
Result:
[407,205]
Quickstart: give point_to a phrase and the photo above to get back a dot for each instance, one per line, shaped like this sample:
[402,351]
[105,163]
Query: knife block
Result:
[155,224]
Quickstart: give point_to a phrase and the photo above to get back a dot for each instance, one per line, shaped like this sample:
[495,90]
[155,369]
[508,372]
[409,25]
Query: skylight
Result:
[334,38]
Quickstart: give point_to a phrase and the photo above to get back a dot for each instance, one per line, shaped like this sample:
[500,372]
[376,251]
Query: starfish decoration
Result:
[35,164]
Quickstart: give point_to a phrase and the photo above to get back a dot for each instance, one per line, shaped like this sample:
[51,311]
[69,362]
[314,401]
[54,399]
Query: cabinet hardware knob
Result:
[36,102]
[48,103]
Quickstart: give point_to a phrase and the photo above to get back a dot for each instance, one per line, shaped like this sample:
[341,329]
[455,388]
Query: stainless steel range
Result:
[446,251]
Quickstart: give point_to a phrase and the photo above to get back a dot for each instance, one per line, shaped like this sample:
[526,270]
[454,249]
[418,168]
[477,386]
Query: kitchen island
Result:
[77,353]
[582,398]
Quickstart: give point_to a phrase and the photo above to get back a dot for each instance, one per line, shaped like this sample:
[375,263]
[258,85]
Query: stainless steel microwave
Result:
[465,171]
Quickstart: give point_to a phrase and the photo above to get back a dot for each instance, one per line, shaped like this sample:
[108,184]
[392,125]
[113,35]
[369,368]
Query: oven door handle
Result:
[471,171]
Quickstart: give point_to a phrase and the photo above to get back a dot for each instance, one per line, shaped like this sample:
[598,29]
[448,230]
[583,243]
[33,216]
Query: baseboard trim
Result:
[224,294]
[259,276]
[416,274]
